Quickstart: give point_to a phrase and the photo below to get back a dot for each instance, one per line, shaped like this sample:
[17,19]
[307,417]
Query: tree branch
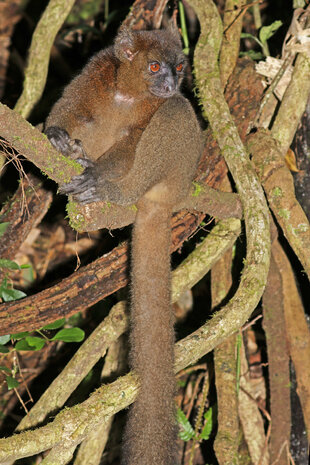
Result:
[85,288]
[39,53]
[293,103]
[103,277]
[232,24]
[255,209]
[279,187]
[30,142]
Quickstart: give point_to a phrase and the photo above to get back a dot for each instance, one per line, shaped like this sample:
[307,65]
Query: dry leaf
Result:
[290,161]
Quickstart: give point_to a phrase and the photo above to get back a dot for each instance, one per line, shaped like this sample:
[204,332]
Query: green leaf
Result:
[4,339]
[4,285]
[35,342]
[4,349]
[76,319]
[252,54]
[12,382]
[4,263]
[69,335]
[268,31]
[23,345]
[199,189]
[245,35]
[186,432]
[3,228]
[207,429]
[12,294]
[28,273]
[18,336]
[56,324]
[181,383]
[6,369]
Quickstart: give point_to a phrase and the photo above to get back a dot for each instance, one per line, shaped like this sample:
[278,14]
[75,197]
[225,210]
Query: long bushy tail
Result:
[151,432]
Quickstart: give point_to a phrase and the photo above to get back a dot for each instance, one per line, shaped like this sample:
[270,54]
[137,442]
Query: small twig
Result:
[198,422]
[194,394]
[202,366]
[22,377]
[251,323]
[286,446]
[21,401]
[243,9]
[257,15]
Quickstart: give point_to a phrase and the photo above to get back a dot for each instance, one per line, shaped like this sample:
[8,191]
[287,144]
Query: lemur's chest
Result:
[112,120]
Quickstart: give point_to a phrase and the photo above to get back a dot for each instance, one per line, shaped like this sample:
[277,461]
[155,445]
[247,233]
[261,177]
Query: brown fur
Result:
[87,108]
[145,149]
[151,431]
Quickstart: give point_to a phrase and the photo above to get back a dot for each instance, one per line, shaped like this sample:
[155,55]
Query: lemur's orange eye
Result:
[179,67]
[154,67]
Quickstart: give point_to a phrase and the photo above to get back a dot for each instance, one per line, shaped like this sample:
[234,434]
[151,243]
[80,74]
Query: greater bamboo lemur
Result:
[138,138]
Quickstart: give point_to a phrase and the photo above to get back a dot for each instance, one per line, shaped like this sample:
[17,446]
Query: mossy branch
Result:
[198,263]
[93,446]
[39,53]
[72,425]
[34,145]
[95,347]
[279,188]
[202,259]
[226,373]
[232,23]
[256,213]
[293,104]
[297,330]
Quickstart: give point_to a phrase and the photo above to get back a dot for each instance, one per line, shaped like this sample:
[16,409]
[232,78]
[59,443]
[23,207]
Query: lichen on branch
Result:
[256,213]
[34,145]
[39,53]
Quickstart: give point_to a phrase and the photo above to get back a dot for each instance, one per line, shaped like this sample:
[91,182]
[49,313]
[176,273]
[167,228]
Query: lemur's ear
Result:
[174,31]
[124,45]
